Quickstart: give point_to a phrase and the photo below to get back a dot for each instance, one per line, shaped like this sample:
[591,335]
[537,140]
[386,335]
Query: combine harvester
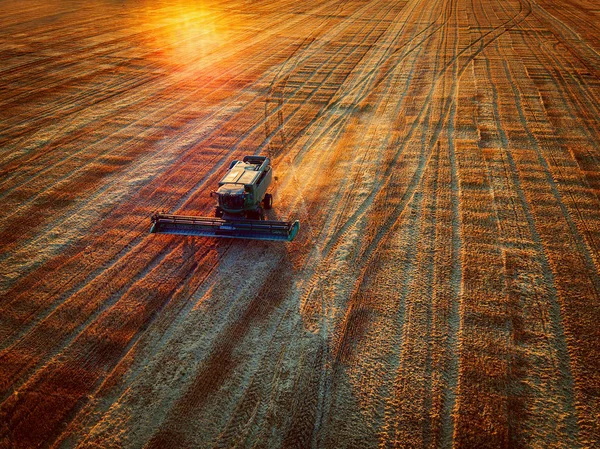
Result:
[241,200]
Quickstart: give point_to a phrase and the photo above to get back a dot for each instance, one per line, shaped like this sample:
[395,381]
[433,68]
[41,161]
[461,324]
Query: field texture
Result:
[443,157]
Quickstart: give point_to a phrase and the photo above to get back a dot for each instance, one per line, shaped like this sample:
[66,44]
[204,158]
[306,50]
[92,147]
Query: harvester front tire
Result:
[268,201]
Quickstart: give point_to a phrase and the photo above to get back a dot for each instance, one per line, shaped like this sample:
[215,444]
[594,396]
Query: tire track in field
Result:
[323,407]
[338,122]
[367,203]
[409,411]
[337,131]
[477,52]
[348,186]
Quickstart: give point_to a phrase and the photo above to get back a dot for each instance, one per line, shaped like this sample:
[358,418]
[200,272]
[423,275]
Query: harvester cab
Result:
[243,190]
[240,210]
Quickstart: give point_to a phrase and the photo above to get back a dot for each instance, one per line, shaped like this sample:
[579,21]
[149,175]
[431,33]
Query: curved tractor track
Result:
[443,157]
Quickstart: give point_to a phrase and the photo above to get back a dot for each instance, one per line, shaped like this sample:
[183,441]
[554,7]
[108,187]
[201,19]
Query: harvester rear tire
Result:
[268,201]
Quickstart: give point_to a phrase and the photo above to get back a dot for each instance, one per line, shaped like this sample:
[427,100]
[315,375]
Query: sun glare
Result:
[187,33]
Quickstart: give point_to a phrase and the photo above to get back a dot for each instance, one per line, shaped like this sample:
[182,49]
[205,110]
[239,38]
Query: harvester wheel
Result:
[218,212]
[268,201]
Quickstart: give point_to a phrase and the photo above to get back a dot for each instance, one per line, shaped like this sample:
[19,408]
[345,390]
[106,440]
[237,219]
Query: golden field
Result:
[442,156]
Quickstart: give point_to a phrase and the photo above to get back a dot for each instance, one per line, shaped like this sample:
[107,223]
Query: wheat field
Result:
[442,156]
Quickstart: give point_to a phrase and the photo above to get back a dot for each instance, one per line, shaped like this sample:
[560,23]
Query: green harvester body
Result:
[240,210]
